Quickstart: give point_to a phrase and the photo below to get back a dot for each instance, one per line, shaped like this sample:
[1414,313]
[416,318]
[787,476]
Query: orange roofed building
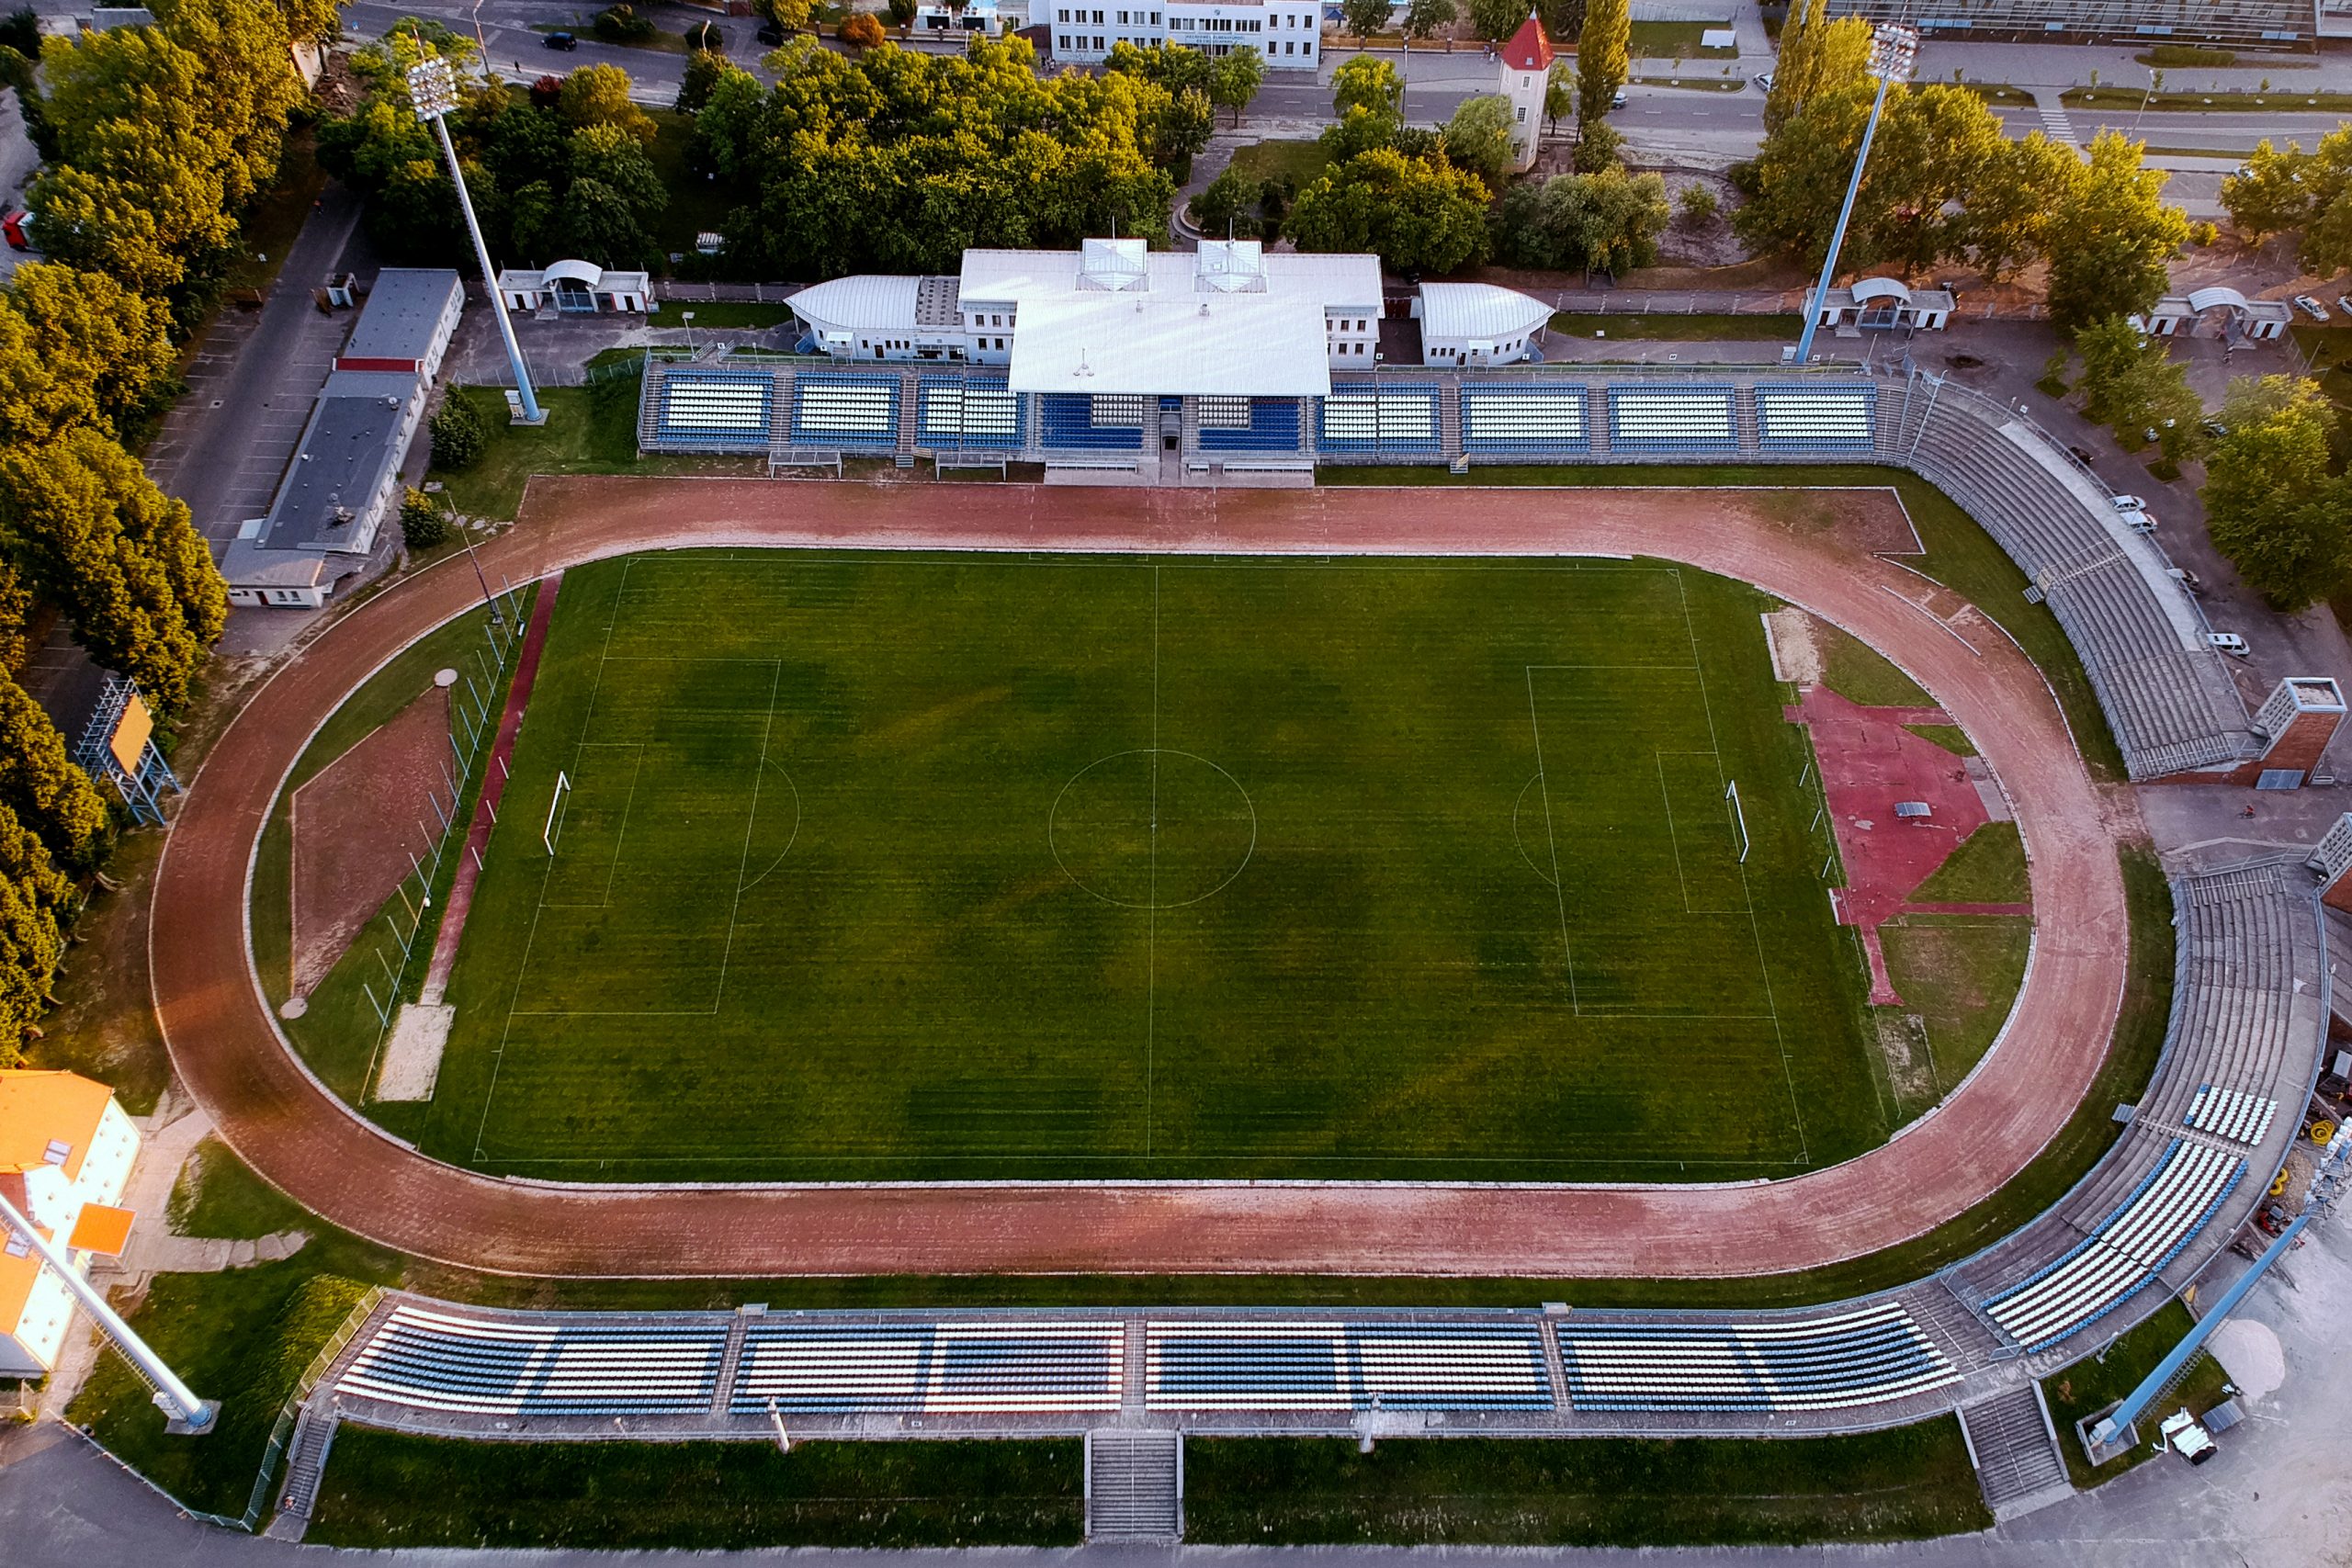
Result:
[1526,76]
[66,1151]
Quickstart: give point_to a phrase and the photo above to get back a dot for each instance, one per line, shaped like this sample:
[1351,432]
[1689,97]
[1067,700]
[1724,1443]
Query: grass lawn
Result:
[1951,737]
[243,1338]
[1997,93]
[1675,41]
[2092,1384]
[1662,326]
[720,314]
[590,429]
[976,866]
[217,1196]
[1301,162]
[386,1489]
[1860,673]
[1957,974]
[1909,1484]
[2203,103]
[1987,868]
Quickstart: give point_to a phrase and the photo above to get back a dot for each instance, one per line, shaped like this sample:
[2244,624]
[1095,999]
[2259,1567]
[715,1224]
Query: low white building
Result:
[987,18]
[2219,311]
[576,288]
[1886,302]
[1479,323]
[1288,33]
[1109,303]
[66,1150]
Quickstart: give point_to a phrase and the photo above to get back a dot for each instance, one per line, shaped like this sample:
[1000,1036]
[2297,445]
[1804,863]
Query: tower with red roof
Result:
[1526,71]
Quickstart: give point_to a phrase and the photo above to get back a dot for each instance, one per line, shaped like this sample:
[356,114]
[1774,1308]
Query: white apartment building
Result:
[66,1151]
[1288,33]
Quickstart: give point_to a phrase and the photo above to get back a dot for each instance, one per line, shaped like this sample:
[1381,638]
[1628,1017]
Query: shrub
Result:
[621,24]
[2206,232]
[705,36]
[1698,204]
[902,13]
[458,434]
[862,30]
[422,524]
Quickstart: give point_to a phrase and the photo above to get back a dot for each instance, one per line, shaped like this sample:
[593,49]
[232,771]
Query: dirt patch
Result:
[413,1054]
[1796,656]
[1872,522]
[1910,1069]
[353,824]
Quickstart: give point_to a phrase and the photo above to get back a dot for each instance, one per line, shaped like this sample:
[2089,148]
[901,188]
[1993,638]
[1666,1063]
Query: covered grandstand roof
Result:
[1239,345]
[867,302]
[1018,277]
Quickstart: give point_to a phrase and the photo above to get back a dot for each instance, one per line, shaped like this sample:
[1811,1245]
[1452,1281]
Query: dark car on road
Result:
[771,35]
[561,40]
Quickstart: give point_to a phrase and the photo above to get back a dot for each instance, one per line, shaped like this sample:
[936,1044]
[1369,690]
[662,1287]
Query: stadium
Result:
[1072,874]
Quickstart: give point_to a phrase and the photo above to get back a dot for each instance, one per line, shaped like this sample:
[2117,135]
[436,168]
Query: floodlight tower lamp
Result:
[433,89]
[1894,56]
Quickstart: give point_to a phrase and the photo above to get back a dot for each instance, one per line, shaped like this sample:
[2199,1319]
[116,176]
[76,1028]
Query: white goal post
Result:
[1731,793]
[562,791]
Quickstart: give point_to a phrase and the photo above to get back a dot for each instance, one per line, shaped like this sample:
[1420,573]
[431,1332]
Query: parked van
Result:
[2226,642]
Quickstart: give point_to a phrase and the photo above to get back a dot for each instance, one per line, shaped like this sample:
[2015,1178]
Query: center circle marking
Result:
[1152,828]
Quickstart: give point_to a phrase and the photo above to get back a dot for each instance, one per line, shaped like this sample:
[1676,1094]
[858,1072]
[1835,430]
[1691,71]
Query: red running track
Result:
[227,1048]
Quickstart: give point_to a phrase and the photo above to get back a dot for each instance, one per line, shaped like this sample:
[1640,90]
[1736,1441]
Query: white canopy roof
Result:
[1233,346]
[868,302]
[1479,312]
[1014,277]
[586,274]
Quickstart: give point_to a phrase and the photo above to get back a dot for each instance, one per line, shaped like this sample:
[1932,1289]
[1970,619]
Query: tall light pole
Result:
[183,1411]
[1894,54]
[433,90]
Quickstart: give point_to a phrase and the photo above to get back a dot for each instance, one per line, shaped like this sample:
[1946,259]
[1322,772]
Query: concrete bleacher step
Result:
[1135,1484]
[2015,1451]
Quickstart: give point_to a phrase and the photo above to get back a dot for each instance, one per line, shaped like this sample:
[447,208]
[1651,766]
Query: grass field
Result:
[990,866]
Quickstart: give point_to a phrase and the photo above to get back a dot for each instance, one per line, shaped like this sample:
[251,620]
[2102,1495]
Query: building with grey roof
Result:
[343,479]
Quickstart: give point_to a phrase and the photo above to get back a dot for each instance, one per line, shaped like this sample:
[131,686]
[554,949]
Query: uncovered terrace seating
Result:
[1543,417]
[2239,1024]
[1827,1363]
[1073,420]
[1250,1365]
[1249,424]
[2232,1113]
[844,411]
[2109,1265]
[1363,417]
[499,1366]
[939,1369]
[1655,418]
[714,409]
[967,411]
[1816,419]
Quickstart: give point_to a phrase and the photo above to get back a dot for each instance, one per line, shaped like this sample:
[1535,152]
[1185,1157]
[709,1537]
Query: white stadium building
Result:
[1286,32]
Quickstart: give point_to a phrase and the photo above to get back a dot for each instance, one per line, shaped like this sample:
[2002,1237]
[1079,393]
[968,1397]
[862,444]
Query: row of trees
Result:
[155,138]
[556,169]
[1945,182]
[897,162]
[2271,501]
[2283,191]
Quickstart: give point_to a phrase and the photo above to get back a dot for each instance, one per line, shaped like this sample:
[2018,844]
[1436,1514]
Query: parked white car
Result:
[2310,307]
[1764,81]
[2344,304]
[2226,642]
[2140,522]
[2127,504]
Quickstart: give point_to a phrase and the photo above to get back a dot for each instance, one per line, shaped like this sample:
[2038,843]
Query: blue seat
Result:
[1249,424]
[1074,420]
[1809,417]
[830,410]
[716,409]
[1659,418]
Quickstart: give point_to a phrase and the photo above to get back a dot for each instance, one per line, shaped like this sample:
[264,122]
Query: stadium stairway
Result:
[306,1462]
[1448,423]
[1744,421]
[2015,1452]
[1135,1484]
[909,417]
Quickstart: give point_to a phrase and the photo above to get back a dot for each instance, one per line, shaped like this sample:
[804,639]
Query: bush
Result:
[1597,146]
[2189,54]
[862,30]
[1699,205]
[705,36]
[422,524]
[458,434]
[2207,232]
[621,24]
[902,13]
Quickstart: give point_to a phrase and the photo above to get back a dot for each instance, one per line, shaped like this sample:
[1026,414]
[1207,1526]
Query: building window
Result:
[1523,114]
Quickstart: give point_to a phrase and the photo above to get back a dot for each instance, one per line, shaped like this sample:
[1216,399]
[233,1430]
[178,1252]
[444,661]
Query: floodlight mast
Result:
[1895,55]
[433,89]
[186,1413]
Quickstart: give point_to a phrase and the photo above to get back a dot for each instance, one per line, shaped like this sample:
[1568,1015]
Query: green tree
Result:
[860,30]
[78,348]
[2272,506]
[903,14]
[1363,82]
[1238,77]
[1417,214]
[790,16]
[424,524]
[1229,204]
[1496,19]
[2007,225]
[703,71]
[35,898]
[1817,56]
[95,536]
[459,433]
[1602,59]
[727,127]
[1364,17]
[2132,384]
[1559,91]
[15,620]
[42,786]
[2119,234]
[1171,66]
[1478,138]
[598,95]
[1424,17]
[1609,221]
[2269,194]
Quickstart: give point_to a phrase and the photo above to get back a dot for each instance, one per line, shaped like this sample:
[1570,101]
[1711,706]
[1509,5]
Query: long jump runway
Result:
[226,1047]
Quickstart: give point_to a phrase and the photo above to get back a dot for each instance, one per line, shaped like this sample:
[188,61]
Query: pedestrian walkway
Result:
[2055,122]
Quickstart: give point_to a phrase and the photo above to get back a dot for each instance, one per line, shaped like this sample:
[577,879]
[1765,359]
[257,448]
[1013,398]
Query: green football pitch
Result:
[903,866]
